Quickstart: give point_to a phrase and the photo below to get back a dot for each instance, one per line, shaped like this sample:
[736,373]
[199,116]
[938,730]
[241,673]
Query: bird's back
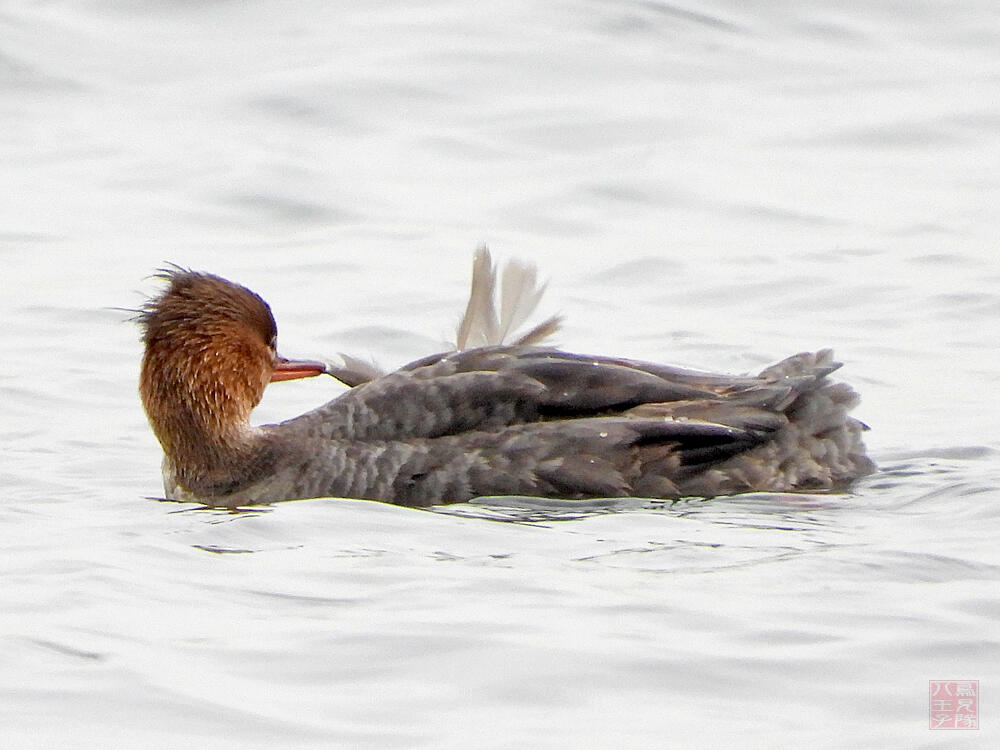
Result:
[523,420]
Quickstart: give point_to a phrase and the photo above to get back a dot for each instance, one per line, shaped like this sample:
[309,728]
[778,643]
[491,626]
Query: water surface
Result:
[715,185]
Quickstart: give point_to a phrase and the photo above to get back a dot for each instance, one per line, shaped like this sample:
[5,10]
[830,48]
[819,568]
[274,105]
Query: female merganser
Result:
[493,420]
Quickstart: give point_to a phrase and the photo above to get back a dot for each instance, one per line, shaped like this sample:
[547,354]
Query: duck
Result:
[482,419]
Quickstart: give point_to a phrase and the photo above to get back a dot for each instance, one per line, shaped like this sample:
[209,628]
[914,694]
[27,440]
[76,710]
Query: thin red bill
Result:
[293,369]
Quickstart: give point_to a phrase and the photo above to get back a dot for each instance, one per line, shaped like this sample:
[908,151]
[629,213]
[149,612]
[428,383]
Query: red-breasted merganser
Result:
[492,420]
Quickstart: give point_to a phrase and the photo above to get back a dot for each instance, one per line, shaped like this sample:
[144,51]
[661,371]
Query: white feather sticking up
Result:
[519,294]
[481,324]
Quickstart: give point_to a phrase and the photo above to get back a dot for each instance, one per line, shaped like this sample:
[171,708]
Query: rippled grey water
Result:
[715,184]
